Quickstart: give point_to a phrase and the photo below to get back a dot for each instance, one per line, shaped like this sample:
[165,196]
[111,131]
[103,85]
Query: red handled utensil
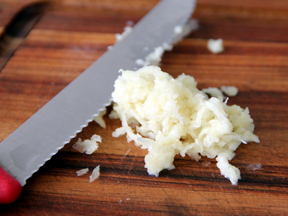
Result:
[10,188]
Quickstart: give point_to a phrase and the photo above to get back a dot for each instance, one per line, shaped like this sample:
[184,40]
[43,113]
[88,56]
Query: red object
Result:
[10,188]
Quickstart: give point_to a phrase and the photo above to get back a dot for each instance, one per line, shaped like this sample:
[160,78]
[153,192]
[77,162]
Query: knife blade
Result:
[49,129]
[19,27]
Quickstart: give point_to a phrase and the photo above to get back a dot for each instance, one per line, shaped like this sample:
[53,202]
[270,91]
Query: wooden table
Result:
[75,33]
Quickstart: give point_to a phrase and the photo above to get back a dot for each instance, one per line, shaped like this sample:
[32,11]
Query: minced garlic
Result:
[215,46]
[95,174]
[229,90]
[82,172]
[173,117]
[155,57]
[99,119]
[88,146]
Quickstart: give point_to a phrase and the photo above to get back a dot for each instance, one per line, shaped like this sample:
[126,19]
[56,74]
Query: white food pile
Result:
[171,116]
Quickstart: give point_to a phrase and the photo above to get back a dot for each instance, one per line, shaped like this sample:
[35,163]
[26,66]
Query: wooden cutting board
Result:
[75,33]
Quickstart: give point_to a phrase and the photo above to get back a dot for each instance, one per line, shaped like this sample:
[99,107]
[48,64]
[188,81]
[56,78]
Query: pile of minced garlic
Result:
[170,116]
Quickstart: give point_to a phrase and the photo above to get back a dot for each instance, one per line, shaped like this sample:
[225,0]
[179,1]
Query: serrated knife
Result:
[48,130]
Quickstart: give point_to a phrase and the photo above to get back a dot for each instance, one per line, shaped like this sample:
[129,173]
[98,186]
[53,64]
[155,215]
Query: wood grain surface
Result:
[75,33]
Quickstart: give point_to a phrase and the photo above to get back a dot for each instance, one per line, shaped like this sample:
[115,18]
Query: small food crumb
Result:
[127,31]
[113,115]
[129,23]
[254,167]
[88,146]
[205,163]
[229,90]
[178,30]
[95,174]
[82,172]
[155,57]
[213,92]
[215,46]
[99,119]
[185,30]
